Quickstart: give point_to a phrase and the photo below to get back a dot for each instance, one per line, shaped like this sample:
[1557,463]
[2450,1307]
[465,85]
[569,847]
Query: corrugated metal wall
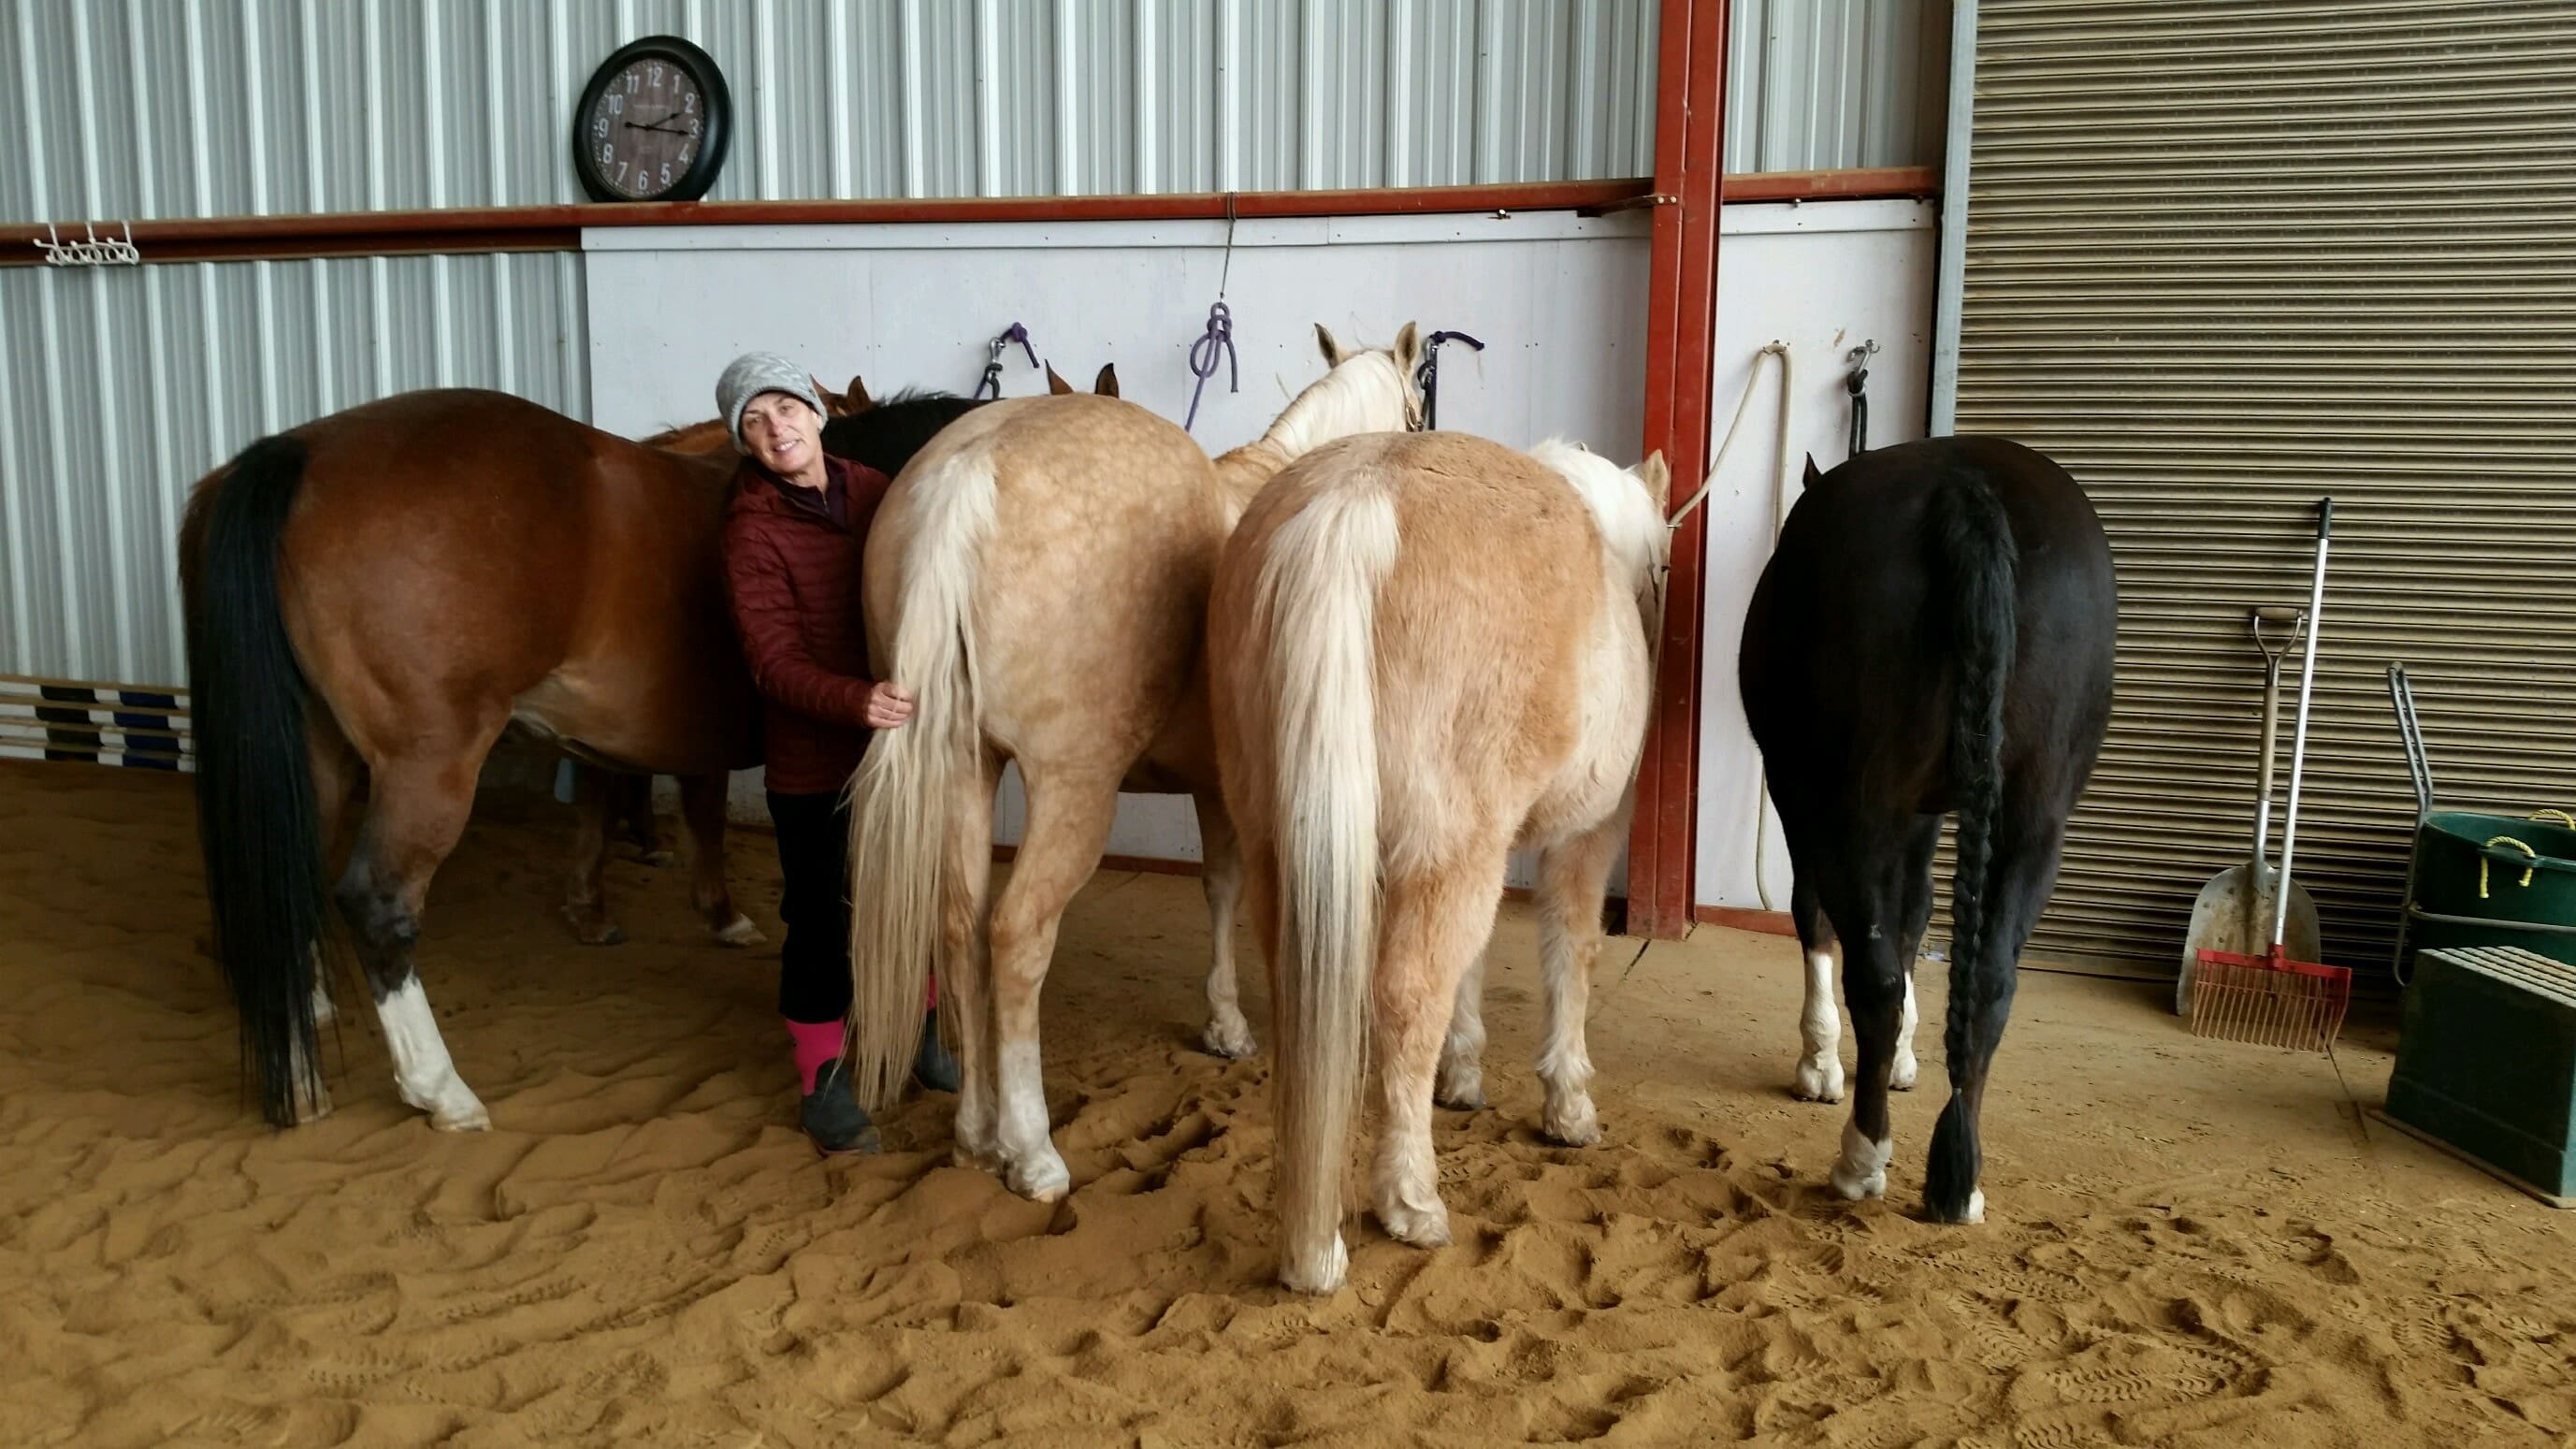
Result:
[1818,85]
[121,386]
[2226,258]
[152,108]
[227,107]
[160,109]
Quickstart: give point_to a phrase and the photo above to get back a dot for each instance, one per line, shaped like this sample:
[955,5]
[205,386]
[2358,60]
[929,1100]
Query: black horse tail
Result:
[257,818]
[1974,563]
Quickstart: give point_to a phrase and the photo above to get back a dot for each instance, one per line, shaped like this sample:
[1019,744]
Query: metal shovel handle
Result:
[2297,619]
[2299,736]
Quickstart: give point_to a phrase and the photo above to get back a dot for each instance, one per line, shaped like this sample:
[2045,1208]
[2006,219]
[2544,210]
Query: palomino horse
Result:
[1933,633]
[1426,651]
[377,594]
[884,435]
[1038,578]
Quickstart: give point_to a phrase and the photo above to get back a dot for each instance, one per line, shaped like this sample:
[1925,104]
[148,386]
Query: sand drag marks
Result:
[643,1249]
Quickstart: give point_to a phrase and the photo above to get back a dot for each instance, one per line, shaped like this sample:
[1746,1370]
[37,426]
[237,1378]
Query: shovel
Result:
[2235,910]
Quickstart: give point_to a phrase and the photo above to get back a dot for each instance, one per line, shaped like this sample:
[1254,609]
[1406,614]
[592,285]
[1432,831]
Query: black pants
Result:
[814,855]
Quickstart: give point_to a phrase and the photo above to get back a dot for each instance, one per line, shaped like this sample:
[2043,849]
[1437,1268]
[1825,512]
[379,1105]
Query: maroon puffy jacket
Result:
[792,573]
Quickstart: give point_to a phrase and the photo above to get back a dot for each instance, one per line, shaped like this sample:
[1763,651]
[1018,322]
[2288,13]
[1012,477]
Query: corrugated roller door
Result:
[2226,257]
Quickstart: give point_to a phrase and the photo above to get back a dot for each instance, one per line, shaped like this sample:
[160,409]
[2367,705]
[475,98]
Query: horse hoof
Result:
[1862,1173]
[1900,1077]
[1415,1227]
[1320,1276]
[1231,1040]
[1576,1126]
[659,858]
[1819,1082]
[1460,1090]
[740,932]
[1040,1179]
[1472,1100]
[477,1120]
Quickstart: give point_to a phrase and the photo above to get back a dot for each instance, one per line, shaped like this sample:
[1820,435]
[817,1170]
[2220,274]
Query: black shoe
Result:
[832,1117]
[935,1066]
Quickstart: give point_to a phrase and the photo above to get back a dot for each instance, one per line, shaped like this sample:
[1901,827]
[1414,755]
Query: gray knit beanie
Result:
[754,373]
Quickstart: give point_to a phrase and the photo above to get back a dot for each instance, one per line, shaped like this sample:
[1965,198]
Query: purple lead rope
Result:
[1219,337]
[992,381]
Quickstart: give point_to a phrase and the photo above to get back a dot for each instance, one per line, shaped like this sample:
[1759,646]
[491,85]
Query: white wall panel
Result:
[1823,277]
[1560,301]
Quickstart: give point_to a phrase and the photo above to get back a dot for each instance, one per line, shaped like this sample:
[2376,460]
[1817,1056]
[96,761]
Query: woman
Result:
[795,531]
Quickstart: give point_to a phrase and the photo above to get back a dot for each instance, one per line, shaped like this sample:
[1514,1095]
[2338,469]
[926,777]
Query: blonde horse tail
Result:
[1316,605]
[905,871]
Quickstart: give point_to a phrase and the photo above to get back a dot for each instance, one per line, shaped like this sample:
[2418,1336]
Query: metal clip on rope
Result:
[1426,374]
[1001,343]
[1857,384]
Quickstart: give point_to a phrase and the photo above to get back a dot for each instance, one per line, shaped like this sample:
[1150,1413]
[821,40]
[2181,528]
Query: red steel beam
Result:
[1681,328]
[558,228]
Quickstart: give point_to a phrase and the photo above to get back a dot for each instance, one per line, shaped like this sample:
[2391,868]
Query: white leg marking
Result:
[1228,1034]
[1820,1066]
[1902,1072]
[1320,1274]
[740,932]
[1565,1060]
[1863,1170]
[1408,1183]
[323,1011]
[423,1072]
[1462,1051]
[1031,1165]
[312,1098]
[1976,1207]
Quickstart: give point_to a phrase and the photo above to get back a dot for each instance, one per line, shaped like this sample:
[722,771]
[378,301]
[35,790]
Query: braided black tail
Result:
[1974,563]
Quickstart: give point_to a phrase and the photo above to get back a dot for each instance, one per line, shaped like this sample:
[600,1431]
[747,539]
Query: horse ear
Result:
[1809,481]
[831,400]
[857,399]
[1332,350]
[1407,349]
[1106,384]
[1056,386]
[1657,476]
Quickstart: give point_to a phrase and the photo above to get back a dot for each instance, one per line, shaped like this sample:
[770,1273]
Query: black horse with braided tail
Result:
[1933,634]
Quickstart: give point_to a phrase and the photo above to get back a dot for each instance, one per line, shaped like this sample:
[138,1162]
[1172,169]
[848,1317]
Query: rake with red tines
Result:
[2270,1000]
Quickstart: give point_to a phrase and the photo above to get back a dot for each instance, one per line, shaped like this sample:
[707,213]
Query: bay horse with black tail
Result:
[376,595]
[1933,633]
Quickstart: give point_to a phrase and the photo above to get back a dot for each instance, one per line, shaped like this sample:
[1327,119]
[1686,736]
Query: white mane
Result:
[1367,393]
[1631,525]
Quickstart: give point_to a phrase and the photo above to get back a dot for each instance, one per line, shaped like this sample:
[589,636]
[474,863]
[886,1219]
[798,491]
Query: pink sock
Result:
[818,1043]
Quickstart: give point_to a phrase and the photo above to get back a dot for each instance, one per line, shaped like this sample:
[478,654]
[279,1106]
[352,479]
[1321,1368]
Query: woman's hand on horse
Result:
[888,705]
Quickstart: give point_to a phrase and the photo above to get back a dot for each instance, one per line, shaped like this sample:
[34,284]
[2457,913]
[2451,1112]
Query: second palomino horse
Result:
[1427,650]
[1934,633]
[1038,579]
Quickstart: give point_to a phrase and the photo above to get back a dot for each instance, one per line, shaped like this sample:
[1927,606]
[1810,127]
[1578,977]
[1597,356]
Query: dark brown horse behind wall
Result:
[375,595]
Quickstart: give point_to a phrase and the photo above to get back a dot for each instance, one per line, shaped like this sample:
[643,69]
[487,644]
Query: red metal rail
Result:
[1681,331]
[558,228]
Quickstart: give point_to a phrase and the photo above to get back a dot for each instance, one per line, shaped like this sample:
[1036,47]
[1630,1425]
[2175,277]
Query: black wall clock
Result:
[652,124]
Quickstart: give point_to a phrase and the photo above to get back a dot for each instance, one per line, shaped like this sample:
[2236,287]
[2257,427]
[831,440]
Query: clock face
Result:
[645,127]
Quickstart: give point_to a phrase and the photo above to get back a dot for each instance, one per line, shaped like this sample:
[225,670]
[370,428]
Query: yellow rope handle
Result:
[2561,816]
[2492,844]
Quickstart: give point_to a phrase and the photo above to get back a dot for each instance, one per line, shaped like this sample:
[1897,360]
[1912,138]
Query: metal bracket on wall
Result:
[1630,203]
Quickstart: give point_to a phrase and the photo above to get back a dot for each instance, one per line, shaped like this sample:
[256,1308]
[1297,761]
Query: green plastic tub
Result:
[2493,880]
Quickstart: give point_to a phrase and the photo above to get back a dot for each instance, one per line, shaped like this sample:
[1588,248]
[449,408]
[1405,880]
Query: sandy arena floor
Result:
[2189,1244]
